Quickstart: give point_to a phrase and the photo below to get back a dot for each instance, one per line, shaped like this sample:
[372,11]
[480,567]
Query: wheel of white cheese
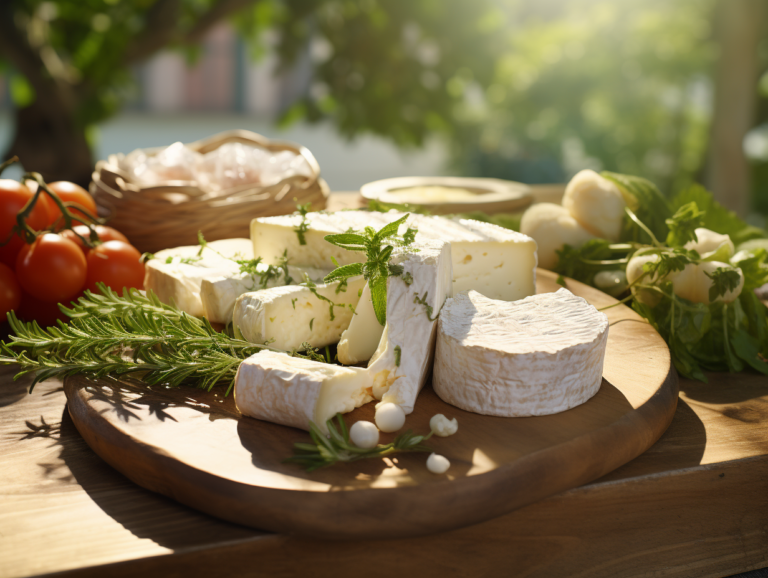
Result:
[535,356]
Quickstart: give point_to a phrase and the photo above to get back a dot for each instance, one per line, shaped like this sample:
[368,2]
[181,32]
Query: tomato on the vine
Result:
[117,265]
[69,193]
[104,233]
[10,292]
[52,269]
[13,197]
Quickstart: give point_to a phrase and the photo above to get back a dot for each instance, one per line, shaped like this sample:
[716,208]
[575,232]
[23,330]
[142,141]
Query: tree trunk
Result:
[739,27]
[51,145]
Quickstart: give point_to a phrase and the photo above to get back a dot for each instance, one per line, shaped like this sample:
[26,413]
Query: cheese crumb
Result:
[438,464]
[442,426]
[389,417]
[364,435]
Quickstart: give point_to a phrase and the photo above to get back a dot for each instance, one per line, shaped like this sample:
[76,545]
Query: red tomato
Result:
[13,197]
[10,292]
[70,193]
[105,234]
[52,269]
[117,265]
[43,312]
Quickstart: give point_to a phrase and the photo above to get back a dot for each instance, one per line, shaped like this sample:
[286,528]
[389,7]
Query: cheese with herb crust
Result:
[176,275]
[286,317]
[537,356]
[495,261]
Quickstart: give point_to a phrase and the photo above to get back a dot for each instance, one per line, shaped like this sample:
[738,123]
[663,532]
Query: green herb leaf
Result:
[683,224]
[303,227]
[724,280]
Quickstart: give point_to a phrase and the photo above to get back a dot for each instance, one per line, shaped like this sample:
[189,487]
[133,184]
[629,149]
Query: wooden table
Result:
[695,504]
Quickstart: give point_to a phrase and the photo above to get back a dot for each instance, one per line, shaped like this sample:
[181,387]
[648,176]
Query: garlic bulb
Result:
[692,283]
[552,226]
[596,203]
[711,245]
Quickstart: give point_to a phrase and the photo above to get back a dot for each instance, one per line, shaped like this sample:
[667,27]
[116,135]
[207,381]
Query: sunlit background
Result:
[672,90]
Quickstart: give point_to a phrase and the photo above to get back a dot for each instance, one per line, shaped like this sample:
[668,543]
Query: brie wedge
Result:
[286,317]
[176,275]
[362,337]
[537,356]
[293,391]
[495,261]
[218,294]
[403,359]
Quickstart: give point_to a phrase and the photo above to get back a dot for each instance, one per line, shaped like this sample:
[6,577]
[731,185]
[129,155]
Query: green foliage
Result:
[594,256]
[716,217]
[647,203]
[683,225]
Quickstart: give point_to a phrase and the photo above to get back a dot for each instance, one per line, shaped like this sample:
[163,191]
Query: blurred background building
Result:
[672,90]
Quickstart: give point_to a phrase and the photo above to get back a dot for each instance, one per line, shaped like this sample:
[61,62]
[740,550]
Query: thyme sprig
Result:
[337,447]
[377,267]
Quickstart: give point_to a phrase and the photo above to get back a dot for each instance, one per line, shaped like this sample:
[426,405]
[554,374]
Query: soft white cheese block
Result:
[495,261]
[362,337]
[218,294]
[402,361]
[178,283]
[536,356]
[293,391]
[290,315]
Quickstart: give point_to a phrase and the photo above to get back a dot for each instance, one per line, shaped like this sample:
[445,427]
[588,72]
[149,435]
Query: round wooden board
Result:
[195,448]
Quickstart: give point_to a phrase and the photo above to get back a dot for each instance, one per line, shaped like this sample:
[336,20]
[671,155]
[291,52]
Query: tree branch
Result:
[54,94]
[161,27]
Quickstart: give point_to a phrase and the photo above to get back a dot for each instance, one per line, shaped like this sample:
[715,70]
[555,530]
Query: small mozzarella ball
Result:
[552,226]
[635,271]
[596,203]
[692,283]
[389,417]
[442,426]
[711,242]
[364,434]
[612,282]
[438,464]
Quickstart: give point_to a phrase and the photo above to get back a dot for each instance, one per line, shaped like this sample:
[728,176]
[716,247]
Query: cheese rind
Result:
[218,294]
[401,363]
[178,282]
[495,261]
[541,355]
[290,315]
[293,391]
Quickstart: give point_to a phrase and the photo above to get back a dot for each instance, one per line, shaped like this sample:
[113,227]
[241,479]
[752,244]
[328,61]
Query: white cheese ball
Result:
[596,203]
[708,241]
[552,226]
[692,283]
[438,464]
[389,417]
[364,435]
[442,426]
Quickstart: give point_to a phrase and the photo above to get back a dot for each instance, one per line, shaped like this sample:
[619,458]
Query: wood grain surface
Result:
[196,448]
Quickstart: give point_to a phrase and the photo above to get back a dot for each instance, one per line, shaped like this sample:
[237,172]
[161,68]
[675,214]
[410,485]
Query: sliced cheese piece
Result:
[402,361]
[285,317]
[218,294]
[360,340]
[495,261]
[537,356]
[293,391]
[176,275]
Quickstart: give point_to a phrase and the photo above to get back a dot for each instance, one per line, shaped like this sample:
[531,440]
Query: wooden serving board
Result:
[195,448]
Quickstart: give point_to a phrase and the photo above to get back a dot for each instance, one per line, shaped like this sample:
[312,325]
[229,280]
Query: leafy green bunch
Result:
[377,267]
[337,447]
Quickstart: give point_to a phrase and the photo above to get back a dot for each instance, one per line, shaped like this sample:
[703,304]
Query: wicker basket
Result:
[158,217]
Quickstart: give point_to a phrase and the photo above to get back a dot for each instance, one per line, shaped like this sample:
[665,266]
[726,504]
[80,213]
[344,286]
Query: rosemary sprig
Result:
[109,334]
[377,267]
[336,447]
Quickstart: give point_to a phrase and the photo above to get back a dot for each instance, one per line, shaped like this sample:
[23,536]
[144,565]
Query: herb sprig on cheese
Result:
[337,447]
[377,267]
